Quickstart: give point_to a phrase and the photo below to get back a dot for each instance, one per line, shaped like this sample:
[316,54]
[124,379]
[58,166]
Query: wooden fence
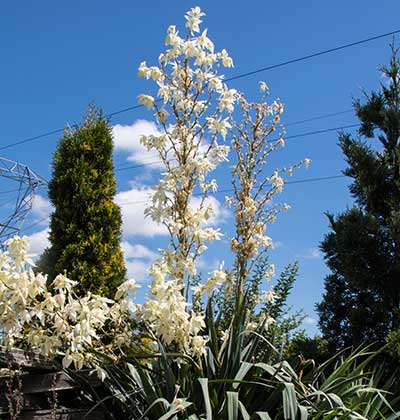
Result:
[39,390]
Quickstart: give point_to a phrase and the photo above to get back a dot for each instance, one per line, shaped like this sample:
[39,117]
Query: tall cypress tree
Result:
[85,227]
[362,295]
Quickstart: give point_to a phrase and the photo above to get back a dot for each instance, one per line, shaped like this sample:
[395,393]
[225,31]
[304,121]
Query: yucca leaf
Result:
[232,405]
[243,411]
[289,402]
[263,415]
[303,412]
[206,396]
[242,372]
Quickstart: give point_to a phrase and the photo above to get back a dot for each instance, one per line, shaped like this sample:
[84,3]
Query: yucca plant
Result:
[230,382]
[215,361]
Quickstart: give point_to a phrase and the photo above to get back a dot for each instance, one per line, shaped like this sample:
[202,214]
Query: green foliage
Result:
[357,302]
[242,375]
[305,349]
[85,227]
[287,322]
[286,325]
[233,381]
[362,294]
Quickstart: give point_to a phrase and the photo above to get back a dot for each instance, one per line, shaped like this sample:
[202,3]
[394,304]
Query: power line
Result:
[239,76]
[228,190]
[326,130]
[288,137]
[319,117]
[30,139]
[316,54]
[309,133]
[288,182]
[123,167]
[120,168]
[140,165]
[322,178]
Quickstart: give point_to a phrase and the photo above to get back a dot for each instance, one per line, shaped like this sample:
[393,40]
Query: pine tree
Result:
[362,295]
[85,227]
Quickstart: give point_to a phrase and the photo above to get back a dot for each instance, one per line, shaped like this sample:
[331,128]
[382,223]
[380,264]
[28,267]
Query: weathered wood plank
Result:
[48,382]
[58,381]
[26,360]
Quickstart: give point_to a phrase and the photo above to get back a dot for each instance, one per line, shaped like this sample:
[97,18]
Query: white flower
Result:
[100,372]
[164,92]
[307,162]
[227,100]
[276,181]
[220,126]
[193,19]
[146,100]
[226,60]
[198,345]
[205,42]
[62,282]
[251,326]
[143,70]
[173,39]
[155,73]
[197,323]
[128,287]
[162,115]
[270,296]
[17,248]
[270,273]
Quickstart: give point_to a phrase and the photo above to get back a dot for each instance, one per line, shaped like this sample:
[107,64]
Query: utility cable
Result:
[239,76]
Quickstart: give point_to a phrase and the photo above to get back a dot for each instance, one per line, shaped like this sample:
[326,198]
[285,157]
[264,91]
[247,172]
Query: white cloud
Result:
[311,254]
[137,251]
[137,260]
[137,269]
[39,241]
[127,138]
[41,207]
[133,203]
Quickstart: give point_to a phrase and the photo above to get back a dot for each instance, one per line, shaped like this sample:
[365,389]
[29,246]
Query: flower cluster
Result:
[253,191]
[53,320]
[194,117]
[169,319]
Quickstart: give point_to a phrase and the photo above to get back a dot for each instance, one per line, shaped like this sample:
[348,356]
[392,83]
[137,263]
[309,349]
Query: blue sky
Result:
[57,57]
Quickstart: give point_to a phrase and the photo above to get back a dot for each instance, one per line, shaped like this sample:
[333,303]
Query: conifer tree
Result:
[85,227]
[362,294]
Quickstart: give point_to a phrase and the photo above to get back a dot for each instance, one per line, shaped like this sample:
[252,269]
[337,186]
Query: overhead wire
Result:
[250,73]
[229,190]
[222,191]
[313,55]
[239,76]
[310,133]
